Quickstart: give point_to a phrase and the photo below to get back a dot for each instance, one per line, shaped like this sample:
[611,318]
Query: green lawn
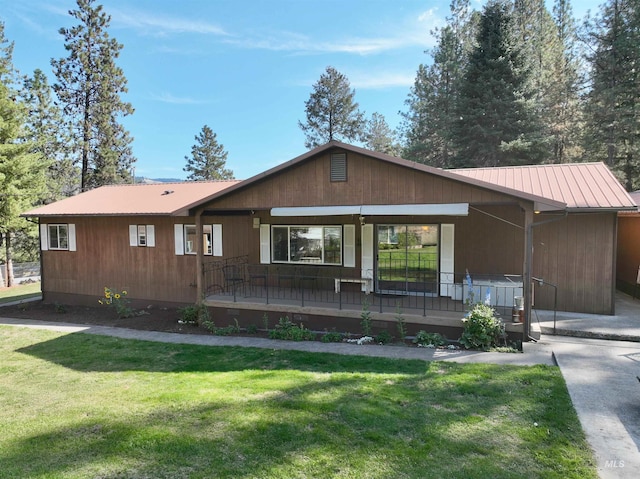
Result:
[82,406]
[19,292]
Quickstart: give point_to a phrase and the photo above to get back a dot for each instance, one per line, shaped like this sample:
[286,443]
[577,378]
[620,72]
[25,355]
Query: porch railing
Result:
[237,280]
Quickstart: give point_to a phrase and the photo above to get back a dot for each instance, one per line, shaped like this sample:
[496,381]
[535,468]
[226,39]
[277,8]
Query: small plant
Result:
[384,337]
[482,330]
[288,330]
[252,329]
[265,321]
[209,325]
[427,340]
[226,331]
[402,326]
[366,319]
[59,308]
[193,314]
[332,337]
[118,301]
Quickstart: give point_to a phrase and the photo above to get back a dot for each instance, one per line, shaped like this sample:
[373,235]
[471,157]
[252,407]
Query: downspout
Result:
[199,258]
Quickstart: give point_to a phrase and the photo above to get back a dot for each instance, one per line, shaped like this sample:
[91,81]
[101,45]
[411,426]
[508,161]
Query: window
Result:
[190,239]
[142,235]
[307,244]
[58,237]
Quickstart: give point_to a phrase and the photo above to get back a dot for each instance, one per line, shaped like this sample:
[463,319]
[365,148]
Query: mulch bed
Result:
[154,319]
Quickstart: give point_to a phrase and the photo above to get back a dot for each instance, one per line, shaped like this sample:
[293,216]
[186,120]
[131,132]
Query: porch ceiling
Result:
[445,209]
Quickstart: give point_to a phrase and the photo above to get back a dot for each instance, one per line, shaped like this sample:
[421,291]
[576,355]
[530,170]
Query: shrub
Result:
[252,329]
[384,337]
[332,337]
[286,329]
[193,314]
[402,327]
[482,330]
[429,339]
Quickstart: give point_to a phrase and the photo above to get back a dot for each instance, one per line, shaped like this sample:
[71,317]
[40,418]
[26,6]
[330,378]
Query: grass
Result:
[19,292]
[83,406]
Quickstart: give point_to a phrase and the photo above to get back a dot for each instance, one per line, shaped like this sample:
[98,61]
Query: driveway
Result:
[601,377]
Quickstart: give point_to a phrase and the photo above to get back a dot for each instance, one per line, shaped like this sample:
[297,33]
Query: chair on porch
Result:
[287,274]
[258,275]
[233,276]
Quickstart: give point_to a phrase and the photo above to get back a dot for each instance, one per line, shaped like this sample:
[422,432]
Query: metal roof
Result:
[579,185]
[120,200]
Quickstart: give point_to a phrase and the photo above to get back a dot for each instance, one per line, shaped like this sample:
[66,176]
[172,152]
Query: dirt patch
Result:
[153,319]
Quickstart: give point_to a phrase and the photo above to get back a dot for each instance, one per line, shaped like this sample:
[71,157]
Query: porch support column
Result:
[527,289]
[199,257]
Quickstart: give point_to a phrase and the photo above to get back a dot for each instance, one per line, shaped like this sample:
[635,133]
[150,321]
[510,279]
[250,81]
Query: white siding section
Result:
[367,253]
[178,235]
[151,236]
[133,235]
[216,237]
[265,244]
[72,237]
[349,242]
[447,241]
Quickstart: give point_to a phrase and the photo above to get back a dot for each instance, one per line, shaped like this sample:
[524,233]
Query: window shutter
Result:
[447,237]
[265,244]
[349,246]
[72,237]
[133,235]
[367,252]
[216,237]
[44,237]
[151,236]
[178,234]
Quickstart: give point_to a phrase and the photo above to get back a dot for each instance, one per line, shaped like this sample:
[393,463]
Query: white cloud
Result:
[380,80]
[166,97]
[150,24]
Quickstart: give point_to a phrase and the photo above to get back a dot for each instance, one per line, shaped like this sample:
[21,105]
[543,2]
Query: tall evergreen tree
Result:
[498,123]
[89,86]
[50,136]
[21,172]
[332,113]
[378,136]
[613,114]
[432,99]
[208,158]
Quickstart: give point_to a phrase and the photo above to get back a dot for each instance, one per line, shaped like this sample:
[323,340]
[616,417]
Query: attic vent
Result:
[339,167]
[167,192]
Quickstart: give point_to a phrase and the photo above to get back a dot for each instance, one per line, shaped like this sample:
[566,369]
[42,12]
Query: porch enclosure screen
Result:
[407,259]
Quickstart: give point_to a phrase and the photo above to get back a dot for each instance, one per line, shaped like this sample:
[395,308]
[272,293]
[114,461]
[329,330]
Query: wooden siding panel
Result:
[628,248]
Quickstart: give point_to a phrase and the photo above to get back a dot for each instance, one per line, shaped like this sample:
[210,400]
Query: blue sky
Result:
[245,68]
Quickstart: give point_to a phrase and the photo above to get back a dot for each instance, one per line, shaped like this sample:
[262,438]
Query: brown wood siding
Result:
[576,254]
[370,181]
[628,259]
[104,258]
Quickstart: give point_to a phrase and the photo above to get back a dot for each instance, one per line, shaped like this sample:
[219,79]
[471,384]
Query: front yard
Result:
[82,406]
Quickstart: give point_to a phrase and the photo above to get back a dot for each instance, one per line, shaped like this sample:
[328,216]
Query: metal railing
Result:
[237,280]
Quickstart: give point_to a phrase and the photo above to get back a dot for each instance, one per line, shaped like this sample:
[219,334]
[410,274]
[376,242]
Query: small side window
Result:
[142,235]
[58,237]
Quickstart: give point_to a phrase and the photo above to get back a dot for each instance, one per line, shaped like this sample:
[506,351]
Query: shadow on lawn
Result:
[84,352]
[406,425]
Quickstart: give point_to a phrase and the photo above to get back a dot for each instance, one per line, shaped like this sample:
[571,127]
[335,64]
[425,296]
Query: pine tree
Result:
[431,102]
[380,137]
[50,137]
[21,172]
[208,158]
[497,123]
[332,113]
[89,86]
[613,114]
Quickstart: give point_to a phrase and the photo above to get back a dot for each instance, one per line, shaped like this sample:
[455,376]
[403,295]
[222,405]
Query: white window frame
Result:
[322,261]
[211,235]
[58,227]
[142,235]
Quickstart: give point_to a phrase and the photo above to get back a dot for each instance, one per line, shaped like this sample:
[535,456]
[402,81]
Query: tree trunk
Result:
[7,245]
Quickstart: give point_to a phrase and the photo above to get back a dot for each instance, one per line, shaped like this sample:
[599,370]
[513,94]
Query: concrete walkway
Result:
[599,357]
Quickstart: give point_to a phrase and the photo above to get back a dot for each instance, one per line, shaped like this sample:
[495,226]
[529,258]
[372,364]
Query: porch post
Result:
[526,270]
[199,257]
